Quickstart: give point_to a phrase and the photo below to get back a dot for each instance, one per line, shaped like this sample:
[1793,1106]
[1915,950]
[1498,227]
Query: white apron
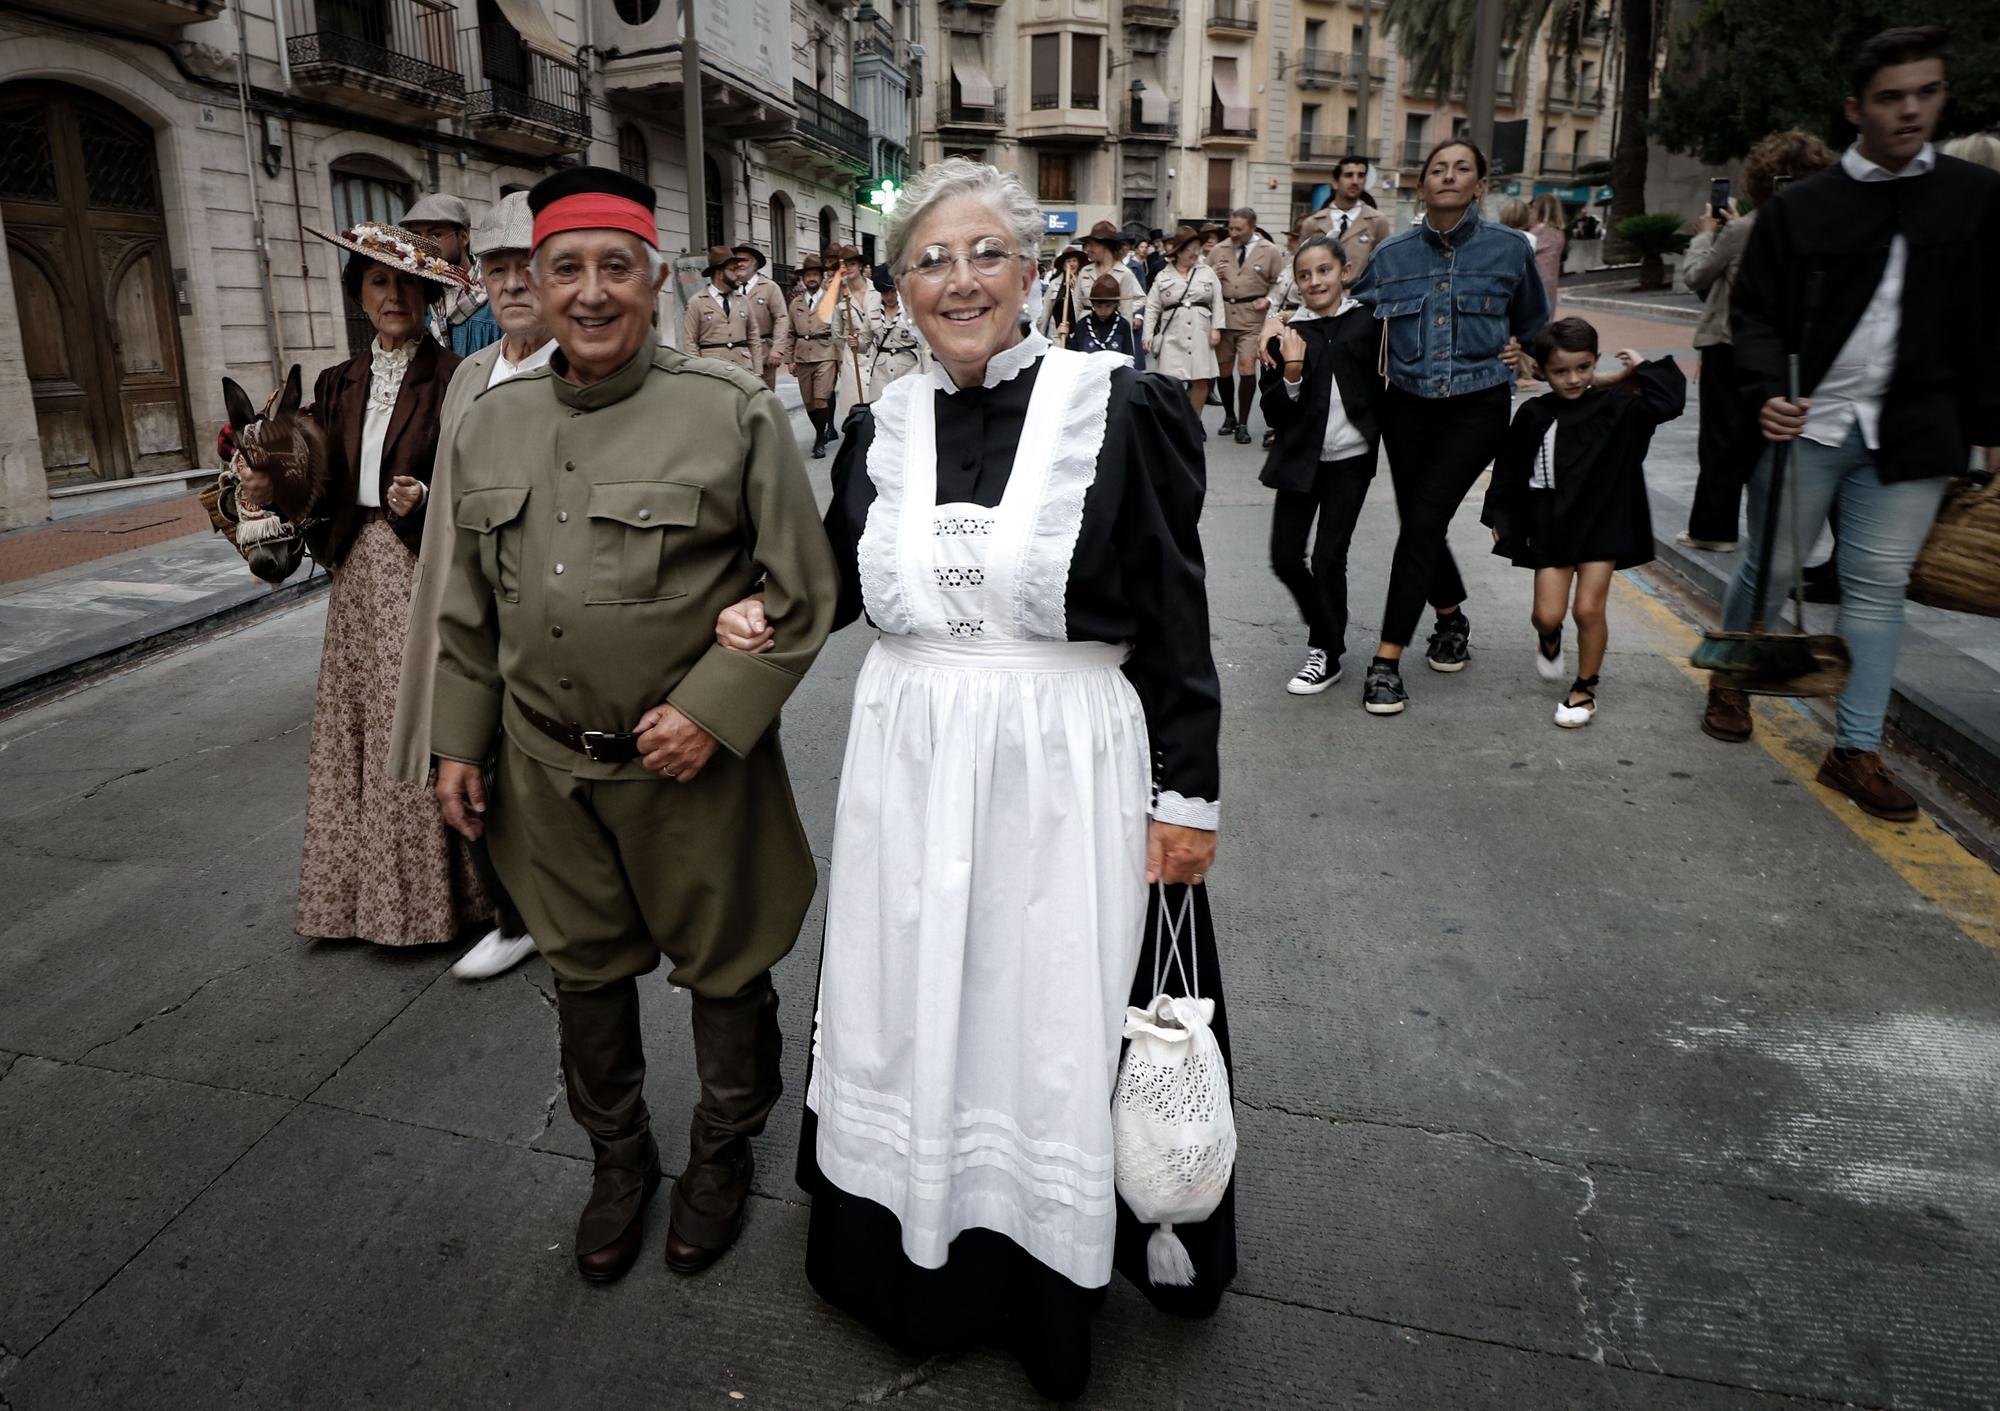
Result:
[987,892]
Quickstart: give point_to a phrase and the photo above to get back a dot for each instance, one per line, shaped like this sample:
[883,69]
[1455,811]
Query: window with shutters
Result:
[1045,71]
[1221,186]
[632,157]
[1056,176]
[1086,52]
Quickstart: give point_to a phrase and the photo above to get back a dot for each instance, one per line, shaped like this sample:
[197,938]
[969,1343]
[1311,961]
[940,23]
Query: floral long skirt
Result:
[379,862]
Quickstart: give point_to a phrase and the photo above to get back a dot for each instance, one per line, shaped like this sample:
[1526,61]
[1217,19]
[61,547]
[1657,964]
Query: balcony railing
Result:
[954,114]
[1158,14]
[966,19]
[833,126]
[1233,16]
[1137,128]
[1217,126]
[1319,149]
[512,89]
[877,37]
[891,160]
[398,49]
[1320,68]
[1415,152]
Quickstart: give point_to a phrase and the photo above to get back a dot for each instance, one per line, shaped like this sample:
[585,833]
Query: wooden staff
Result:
[1062,329]
[853,349]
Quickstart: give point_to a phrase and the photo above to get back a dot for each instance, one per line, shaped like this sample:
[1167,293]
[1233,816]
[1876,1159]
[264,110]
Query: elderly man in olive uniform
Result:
[606,509]
[719,322]
[815,354]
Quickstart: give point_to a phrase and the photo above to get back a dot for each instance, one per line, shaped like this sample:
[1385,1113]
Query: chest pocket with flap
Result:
[638,528]
[494,514]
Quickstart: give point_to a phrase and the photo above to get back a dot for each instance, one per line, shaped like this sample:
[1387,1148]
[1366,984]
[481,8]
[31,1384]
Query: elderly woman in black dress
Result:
[378,863]
[1033,743]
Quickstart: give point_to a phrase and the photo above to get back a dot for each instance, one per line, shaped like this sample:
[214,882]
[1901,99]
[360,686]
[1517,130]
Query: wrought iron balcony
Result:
[959,116]
[1557,163]
[521,98]
[1216,126]
[388,58]
[838,130]
[1155,14]
[1237,17]
[1136,129]
[1321,149]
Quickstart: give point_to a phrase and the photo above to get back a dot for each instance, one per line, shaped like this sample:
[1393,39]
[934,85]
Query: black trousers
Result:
[1725,458]
[1437,447]
[1320,587]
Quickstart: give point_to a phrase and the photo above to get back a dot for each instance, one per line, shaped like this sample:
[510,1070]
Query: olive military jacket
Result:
[600,529]
[728,334]
[1245,283]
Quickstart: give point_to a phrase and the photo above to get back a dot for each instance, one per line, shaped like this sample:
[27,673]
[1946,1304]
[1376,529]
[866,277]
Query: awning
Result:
[532,24]
[1152,101]
[1230,94]
[975,89]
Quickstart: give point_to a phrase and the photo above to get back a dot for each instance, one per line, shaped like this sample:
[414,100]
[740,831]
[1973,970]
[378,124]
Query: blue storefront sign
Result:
[1060,222]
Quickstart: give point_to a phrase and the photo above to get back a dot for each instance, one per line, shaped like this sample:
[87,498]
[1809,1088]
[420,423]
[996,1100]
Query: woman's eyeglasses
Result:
[988,258]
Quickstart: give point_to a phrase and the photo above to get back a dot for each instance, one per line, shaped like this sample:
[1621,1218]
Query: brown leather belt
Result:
[599,746]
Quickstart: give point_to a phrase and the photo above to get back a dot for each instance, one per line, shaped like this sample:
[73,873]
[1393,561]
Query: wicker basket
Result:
[1959,568]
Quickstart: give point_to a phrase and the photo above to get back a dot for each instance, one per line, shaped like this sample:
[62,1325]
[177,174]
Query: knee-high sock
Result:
[1225,392]
[1246,397]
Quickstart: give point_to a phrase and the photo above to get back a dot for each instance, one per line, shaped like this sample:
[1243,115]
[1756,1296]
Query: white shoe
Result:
[494,955]
[1551,668]
[1713,546]
[1315,676]
[1575,717]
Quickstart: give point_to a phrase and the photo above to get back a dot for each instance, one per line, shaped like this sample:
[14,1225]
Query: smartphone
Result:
[1718,196]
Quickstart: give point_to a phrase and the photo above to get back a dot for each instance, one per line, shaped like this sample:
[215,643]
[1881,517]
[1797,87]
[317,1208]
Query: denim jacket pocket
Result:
[1403,325]
[1482,319]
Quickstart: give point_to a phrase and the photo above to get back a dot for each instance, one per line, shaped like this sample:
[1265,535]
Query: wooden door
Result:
[87,247]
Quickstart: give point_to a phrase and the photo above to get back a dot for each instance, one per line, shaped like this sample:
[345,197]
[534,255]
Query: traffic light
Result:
[883,195]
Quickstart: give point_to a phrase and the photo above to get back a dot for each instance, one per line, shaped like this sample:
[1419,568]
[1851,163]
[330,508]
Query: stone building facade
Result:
[161,161]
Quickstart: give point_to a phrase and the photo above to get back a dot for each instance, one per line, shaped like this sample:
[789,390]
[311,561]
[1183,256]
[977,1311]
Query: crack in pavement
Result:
[94,790]
[179,1004]
[1401,1325]
[905,1382]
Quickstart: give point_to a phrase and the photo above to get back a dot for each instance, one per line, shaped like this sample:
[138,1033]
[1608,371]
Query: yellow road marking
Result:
[1933,862]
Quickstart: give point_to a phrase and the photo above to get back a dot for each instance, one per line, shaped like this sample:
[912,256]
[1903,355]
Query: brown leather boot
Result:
[604,1070]
[1728,715]
[737,1048]
[1861,775]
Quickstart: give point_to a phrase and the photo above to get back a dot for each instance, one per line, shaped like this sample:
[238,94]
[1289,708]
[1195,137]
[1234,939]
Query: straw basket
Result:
[1959,568]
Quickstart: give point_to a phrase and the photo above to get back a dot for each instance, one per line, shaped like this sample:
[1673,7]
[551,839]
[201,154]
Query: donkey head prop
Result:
[288,447]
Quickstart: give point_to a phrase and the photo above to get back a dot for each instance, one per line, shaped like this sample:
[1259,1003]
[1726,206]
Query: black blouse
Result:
[1137,573]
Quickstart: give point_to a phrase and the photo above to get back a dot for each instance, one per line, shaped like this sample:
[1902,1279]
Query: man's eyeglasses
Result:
[988,258]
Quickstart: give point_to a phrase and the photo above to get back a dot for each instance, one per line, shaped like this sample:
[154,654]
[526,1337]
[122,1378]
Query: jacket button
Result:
[569,465]
[559,568]
[562,516]
[645,514]
[555,631]
[564,683]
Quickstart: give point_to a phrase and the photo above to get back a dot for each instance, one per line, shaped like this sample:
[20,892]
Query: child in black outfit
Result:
[1104,329]
[1568,497]
[1319,395]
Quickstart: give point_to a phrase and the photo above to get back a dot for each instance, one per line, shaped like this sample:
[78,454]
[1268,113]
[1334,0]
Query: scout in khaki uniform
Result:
[815,356]
[768,314]
[890,347]
[858,303]
[1247,267]
[1105,248]
[606,508]
[719,323]
[1350,218]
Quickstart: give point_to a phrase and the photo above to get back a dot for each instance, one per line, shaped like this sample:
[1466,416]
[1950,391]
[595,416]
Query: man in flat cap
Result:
[606,509]
[461,322]
[768,314]
[719,322]
[815,354]
[502,242]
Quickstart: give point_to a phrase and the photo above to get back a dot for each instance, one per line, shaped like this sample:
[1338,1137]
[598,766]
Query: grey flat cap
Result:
[508,225]
[440,207]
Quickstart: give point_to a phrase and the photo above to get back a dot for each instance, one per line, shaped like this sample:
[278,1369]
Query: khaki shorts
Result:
[1235,340]
[816,382]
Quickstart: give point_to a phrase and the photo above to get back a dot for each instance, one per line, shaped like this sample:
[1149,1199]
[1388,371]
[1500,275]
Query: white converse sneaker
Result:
[494,955]
[1575,717]
[1550,668]
[1315,676]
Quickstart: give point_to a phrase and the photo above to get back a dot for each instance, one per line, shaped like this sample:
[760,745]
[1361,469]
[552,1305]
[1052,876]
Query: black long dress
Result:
[1140,510]
[1587,503]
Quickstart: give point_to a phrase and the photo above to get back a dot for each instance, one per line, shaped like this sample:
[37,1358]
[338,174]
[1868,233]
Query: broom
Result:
[1757,653]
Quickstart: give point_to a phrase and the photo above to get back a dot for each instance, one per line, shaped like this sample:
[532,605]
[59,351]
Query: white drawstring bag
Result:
[1173,1133]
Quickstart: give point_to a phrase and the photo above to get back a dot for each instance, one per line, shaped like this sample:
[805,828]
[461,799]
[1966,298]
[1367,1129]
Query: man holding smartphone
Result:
[1875,276]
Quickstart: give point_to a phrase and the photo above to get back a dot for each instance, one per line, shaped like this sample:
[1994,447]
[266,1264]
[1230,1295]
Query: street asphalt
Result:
[1593,1069]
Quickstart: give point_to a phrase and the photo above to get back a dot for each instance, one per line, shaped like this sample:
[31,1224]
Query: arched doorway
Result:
[829,223]
[87,245]
[717,200]
[782,228]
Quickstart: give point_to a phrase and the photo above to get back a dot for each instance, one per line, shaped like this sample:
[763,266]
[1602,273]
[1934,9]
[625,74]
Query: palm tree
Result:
[1435,36]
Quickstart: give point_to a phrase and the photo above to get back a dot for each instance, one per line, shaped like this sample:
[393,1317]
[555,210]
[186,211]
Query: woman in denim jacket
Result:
[1456,297]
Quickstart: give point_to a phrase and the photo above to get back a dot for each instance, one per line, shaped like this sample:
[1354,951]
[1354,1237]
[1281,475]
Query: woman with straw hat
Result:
[378,864]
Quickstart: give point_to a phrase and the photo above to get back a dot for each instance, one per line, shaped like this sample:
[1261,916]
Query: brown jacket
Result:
[1244,284]
[339,399]
[1366,228]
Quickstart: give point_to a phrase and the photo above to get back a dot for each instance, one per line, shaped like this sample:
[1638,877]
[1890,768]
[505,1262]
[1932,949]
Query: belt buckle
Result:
[590,740]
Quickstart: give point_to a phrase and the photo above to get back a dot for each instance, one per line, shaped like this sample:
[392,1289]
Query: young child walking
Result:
[1568,497]
[1104,329]
[1319,391]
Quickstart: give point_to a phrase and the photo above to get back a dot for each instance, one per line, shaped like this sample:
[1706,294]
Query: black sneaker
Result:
[1383,693]
[1315,676]
[1451,644]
